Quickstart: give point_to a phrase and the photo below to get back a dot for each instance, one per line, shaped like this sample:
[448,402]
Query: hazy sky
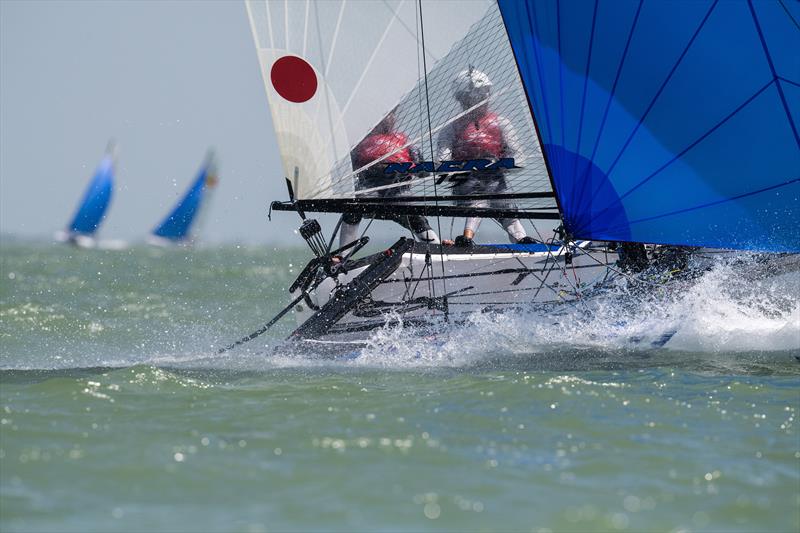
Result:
[167,80]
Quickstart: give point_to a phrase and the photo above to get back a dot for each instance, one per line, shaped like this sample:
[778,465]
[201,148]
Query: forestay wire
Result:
[430,142]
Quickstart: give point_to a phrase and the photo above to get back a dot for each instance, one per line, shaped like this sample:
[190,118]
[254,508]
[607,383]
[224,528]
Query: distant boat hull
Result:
[76,239]
[161,242]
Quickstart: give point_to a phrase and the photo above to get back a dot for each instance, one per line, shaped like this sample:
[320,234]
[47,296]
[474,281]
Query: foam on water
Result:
[727,313]
[65,309]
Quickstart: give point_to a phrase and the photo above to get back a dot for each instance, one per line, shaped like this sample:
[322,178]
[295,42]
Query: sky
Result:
[167,80]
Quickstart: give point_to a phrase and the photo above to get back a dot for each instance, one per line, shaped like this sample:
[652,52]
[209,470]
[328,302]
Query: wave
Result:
[732,318]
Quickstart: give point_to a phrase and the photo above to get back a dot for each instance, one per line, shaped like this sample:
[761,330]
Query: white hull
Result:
[456,283]
[422,288]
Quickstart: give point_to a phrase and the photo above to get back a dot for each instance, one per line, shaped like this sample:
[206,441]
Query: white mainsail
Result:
[333,70]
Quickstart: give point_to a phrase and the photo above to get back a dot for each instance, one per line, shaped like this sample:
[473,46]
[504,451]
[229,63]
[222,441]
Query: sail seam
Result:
[655,98]
[707,204]
[774,72]
[681,153]
[790,82]
[611,97]
[788,14]
[583,98]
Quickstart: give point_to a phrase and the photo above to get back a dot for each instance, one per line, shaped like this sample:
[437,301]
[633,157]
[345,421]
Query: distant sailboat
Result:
[176,228]
[92,208]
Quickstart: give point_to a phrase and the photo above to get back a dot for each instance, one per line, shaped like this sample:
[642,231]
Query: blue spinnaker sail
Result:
[667,122]
[178,224]
[92,209]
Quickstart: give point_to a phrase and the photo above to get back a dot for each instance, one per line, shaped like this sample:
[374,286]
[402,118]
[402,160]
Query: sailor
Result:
[388,145]
[480,134]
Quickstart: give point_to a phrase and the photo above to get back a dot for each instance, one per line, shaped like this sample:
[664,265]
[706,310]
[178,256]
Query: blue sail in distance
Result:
[667,122]
[92,209]
[177,225]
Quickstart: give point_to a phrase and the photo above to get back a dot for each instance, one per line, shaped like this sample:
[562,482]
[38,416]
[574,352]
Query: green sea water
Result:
[115,414]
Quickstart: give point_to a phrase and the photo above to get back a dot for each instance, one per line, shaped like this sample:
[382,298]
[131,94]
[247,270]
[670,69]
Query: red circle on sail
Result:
[294,79]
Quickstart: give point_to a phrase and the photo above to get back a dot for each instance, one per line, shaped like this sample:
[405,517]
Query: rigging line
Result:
[419,279]
[504,291]
[420,54]
[405,299]
[621,272]
[420,112]
[774,72]
[333,234]
[411,33]
[492,263]
[611,96]
[583,98]
[430,141]
[655,98]
[502,271]
[564,248]
[788,14]
[719,124]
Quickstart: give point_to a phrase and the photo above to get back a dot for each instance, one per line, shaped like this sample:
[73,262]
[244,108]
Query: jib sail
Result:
[667,122]
[92,209]
[401,103]
[178,224]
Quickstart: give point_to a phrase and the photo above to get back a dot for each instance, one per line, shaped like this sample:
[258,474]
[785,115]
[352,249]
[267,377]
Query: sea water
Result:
[116,414]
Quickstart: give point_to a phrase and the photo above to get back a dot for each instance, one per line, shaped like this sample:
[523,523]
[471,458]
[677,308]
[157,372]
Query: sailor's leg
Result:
[471,224]
[419,226]
[349,230]
[516,232]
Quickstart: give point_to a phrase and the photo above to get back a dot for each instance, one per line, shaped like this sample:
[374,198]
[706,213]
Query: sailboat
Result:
[636,140]
[177,226]
[92,209]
